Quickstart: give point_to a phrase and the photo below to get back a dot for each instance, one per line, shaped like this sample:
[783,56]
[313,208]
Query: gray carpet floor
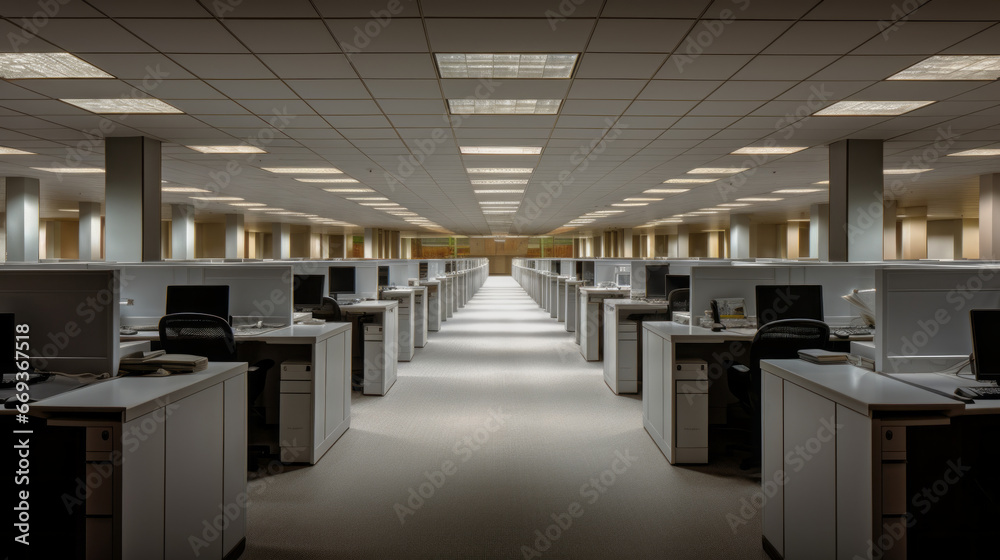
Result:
[513,446]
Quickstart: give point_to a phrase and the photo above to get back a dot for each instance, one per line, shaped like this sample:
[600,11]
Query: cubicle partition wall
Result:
[922,315]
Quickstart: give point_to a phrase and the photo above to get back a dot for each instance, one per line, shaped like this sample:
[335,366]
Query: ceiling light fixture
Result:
[907,171]
[504,106]
[665,191]
[502,150]
[504,170]
[630,204]
[499,181]
[70,169]
[870,108]
[634,199]
[215,198]
[972,67]
[244,149]
[355,190]
[769,150]
[330,180]
[303,170]
[691,181]
[797,191]
[23,66]
[247,204]
[759,199]
[123,105]
[717,170]
[499,191]
[14,152]
[515,66]
[978,152]
[183,190]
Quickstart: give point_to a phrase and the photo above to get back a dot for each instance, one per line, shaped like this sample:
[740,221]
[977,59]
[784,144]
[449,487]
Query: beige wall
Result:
[209,241]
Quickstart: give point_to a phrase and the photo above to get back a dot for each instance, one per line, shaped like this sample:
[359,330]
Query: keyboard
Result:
[144,327]
[978,392]
[847,332]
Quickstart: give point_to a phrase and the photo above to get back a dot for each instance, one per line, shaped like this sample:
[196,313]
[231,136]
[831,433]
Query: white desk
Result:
[379,342]
[622,366]
[592,318]
[433,304]
[315,411]
[162,487]
[852,491]
[406,330]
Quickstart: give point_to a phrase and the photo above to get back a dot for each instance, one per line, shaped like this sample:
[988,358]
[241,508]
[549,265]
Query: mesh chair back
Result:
[679,300]
[783,339]
[198,334]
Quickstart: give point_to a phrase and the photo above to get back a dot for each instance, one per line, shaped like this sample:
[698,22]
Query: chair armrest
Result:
[740,368]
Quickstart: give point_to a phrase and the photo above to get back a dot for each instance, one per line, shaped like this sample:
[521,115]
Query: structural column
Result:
[22,219]
[90,231]
[348,245]
[181,231]
[819,232]
[132,199]
[371,237]
[281,241]
[989,216]
[683,242]
[914,233]
[739,236]
[856,200]
[235,236]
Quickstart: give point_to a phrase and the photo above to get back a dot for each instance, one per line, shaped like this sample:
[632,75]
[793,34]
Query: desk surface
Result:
[861,390]
[376,306]
[294,334]
[690,333]
[134,396]
[944,383]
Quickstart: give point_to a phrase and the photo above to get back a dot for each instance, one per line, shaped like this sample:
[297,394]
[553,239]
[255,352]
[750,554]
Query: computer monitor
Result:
[623,279]
[307,291]
[673,282]
[422,267]
[655,276]
[8,354]
[383,276]
[557,267]
[778,302]
[342,280]
[985,333]
[212,300]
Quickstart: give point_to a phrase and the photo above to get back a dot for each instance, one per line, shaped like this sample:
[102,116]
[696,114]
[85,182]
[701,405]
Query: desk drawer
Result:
[295,386]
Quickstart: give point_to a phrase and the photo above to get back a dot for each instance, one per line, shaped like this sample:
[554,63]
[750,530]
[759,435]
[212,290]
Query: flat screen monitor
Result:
[673,282]
[623,279]
[775,303]
[423,271]
[655,276]
[557,267]
[211,300]
[342,280]
[383,276]
[307,290]
[8,355]
[985,334]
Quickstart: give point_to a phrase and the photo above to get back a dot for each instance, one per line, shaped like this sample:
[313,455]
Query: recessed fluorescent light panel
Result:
[643,199]
[499,191]
[14,152]
[369,198]
[691,181]
[502,150]
[247,204]
[70,169]
[968,153]
[499,181]
[23,66]
[768,150]
[718,170]
[508,170]
[798,191]
[822,183]
[870,108]
[504,106]
[265,209]
[907,171]
[123,105]
[630,204]
[356,190]
[516,66]
[183,190]
[500,202]
[331,180]
[665,191]
[734,204]
[216,198]
[759,199]
[303,170]
[69,209]
[228,149]
[975,67]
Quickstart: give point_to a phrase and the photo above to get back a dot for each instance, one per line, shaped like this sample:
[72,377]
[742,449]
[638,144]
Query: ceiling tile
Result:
[755,90]
[782,67]
[293,66]
[866,67]
[917,37]
[150,66]
[594,107]
[372,65]
[412,106]
[660,108]
[367,35]
[638,35]
[283,35]
[605,89]
[345,107]
[837,37]
[91,35]
[185,35]
[253,89]
[131,9]
[757,9]
[654,8]
[329,89]
[601,65]
[380,9]
[508,35]
[705,67]
[260,8]
[509,8]
[224,66]
[730,37]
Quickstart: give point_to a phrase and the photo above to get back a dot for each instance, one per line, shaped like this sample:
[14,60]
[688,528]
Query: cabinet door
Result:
[335,386]
[235,460]
[142,509]
[193,487]
[811,473]
[772,524]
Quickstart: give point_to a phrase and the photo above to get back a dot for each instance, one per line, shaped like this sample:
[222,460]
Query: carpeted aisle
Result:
[500,441]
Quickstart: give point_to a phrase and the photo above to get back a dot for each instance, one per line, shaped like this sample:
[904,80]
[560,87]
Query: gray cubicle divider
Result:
[922,315]
[256,291]
[711,282]
[71,315]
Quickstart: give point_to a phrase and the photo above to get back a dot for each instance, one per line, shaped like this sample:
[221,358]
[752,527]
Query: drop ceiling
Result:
[660,88]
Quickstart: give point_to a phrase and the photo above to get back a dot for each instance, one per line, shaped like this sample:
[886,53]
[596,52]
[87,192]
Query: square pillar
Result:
[989,216]
[132,199]
[281,241]
[914,233]
[857,200]
[90,231]
[819,232]
[235,236]
[739,236]
[181,231]
[22,219]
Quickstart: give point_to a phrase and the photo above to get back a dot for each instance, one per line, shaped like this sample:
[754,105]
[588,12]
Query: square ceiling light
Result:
[24,66]
[502,150]
[14,152]
[303,170]
[870,108]
[513,66]
[243,149]
[769,150]
[70,169]
[504,106]
[969,153]
[123,105]
[974,67]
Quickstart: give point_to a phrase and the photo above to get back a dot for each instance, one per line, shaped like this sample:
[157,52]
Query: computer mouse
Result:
[965,394]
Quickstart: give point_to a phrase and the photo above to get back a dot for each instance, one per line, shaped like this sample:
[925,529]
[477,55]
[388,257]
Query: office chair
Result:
[775,340]
[211,336]
[678,300]
[329,310]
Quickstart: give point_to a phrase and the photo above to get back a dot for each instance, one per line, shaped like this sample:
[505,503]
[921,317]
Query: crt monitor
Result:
[307,291]
[212,300]
[985,334]
[342,280]
[655,275]
[775,303]
[673,282]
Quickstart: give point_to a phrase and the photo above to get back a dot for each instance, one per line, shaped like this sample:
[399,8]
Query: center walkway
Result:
[500,441]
